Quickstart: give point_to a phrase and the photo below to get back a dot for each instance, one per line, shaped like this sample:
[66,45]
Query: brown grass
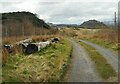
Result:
[44,37]
[5,56]
[17,49]
[110,35]
[11,40]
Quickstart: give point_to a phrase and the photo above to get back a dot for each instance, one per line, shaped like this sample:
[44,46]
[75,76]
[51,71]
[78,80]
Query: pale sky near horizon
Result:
[64,11]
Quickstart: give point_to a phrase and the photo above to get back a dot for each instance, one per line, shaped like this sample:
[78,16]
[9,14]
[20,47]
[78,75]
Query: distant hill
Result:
[52,25]
[17,23]
[93,24]
[67,25]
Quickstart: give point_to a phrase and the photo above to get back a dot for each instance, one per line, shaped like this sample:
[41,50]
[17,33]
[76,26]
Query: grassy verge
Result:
[110,45]
[48,65]
[104,69]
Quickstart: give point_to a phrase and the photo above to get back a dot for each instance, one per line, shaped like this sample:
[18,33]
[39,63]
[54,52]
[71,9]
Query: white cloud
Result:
[64,11]
[61,0]
[28,5]
[72,18]
[44,17]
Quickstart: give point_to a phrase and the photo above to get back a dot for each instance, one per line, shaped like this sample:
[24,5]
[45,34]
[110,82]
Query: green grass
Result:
[110,45]
[104,69]
[48,65]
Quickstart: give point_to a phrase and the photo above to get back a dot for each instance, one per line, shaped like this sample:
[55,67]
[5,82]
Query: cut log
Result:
[31,48]
[8,47]
[55,39]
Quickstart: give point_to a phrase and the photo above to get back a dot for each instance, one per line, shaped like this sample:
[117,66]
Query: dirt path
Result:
[82,68]
[111,57]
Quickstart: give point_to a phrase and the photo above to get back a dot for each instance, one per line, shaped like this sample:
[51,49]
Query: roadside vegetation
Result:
[12,40]
[111,45]
[105,37]
[48,65]
[104,69]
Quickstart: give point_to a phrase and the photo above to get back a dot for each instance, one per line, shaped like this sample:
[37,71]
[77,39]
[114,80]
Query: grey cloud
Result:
[9,6]
[96,10]
[70,12]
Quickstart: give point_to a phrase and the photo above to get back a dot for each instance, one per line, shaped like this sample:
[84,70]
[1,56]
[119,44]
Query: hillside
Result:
[93,24]
[19,23]
[67,25]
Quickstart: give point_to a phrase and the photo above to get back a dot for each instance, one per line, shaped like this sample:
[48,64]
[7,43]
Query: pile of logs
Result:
[27,46]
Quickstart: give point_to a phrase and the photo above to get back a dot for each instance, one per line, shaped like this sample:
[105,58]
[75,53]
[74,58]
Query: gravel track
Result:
[110,56]
[82,69]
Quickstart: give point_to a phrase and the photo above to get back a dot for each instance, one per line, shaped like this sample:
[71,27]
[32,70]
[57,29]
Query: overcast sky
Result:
[64,11]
